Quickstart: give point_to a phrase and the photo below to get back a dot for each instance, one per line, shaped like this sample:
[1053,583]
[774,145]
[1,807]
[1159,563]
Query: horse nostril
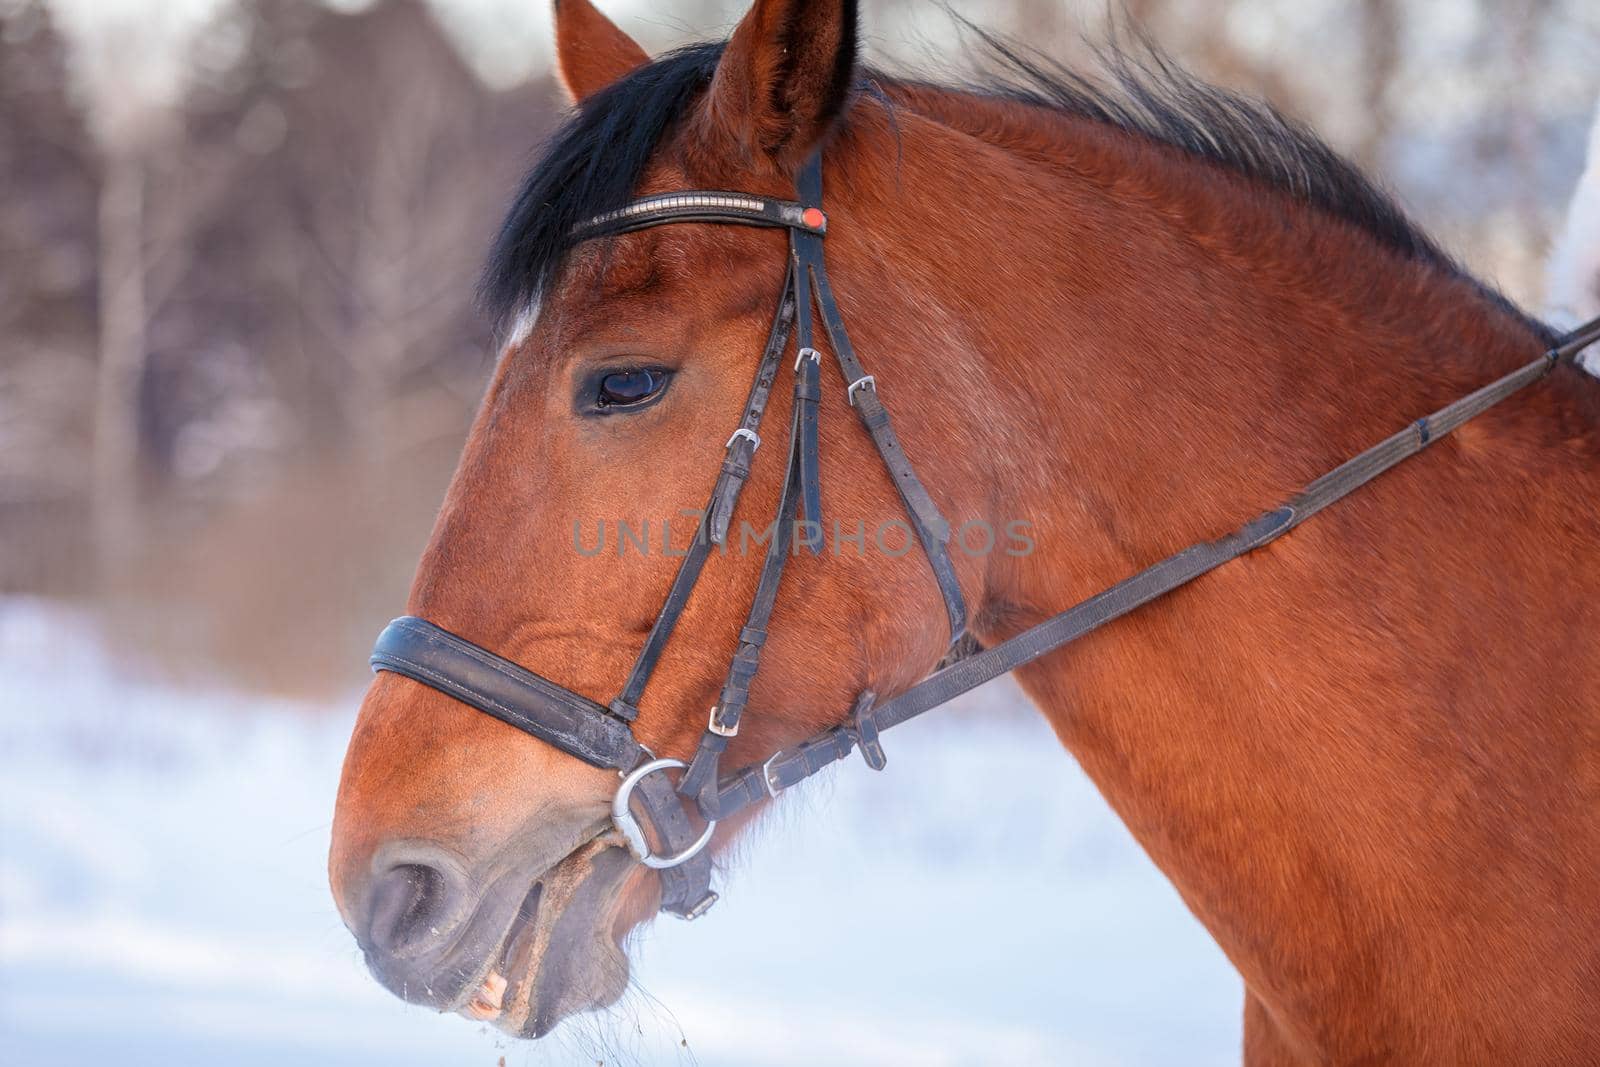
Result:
[406,905]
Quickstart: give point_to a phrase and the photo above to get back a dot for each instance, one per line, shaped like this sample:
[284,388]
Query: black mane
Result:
[1148,95]
[591,164]
[1145,93]
[594,162]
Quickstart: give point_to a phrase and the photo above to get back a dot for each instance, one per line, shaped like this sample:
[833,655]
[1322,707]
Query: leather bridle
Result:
[602,735]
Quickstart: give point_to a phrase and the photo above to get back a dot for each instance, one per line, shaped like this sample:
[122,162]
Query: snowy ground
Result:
[162,901]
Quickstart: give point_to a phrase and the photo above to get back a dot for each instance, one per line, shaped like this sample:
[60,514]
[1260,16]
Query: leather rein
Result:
[602,735]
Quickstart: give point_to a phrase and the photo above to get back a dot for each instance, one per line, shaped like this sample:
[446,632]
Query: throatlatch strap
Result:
[930,525]
[861,390]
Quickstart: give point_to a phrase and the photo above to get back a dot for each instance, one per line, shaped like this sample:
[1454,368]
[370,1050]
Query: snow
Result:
[163,901]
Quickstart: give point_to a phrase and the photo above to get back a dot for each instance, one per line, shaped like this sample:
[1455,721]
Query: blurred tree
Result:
[330,305]
[155,193]
[47,250]
[1381,30]
[319,333]
[1521,22]
[393,188]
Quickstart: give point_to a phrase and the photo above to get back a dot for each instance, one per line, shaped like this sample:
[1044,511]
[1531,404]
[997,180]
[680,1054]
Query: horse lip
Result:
[553,927]
[499,926]
[515,960]
[581,927]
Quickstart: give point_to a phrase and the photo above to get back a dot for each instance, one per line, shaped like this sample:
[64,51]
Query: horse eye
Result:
[629,387]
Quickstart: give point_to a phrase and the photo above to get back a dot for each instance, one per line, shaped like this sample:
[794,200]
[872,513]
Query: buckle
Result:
[701,906]
[753,437]
[622,818]
[766,774]
[864,729]
[863,382]
[805,354]
[717,728]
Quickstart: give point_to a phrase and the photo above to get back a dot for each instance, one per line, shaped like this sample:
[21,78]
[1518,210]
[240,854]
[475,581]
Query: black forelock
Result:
[591,164]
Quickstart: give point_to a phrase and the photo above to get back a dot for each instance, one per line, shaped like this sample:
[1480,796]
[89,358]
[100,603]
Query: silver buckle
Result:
[700,909]
[864,380]
[717,728]
[805,354]
[622,818]
[766,774]
[755,438]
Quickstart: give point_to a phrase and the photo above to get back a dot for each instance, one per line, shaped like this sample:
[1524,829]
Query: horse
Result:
[1130,313]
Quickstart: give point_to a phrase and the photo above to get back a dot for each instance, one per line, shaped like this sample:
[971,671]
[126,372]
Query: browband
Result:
[740,209]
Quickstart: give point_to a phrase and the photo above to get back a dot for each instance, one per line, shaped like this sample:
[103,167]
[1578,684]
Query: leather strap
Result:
[807,270]
[745,439]
[423,652]
[1576,340]
[709,205]
[789,766]
[713,527]
[699,782]
[861,390]
[807,397]
[685,888]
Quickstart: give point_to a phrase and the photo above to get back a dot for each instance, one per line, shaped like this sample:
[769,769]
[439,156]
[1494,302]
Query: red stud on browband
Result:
[814,218]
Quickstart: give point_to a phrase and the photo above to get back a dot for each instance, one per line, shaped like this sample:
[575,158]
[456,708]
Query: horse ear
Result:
[785,77]
[591,52]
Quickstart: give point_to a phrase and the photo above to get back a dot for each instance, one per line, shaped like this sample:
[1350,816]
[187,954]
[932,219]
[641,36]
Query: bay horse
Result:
[1367,754]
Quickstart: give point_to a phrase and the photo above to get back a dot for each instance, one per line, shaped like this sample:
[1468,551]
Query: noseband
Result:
[602,735]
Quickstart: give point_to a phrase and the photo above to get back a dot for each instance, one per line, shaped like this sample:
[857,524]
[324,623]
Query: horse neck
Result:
[1156,353]
[1181,346]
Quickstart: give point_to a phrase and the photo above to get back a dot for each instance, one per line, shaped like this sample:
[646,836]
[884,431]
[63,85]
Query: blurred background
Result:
[238,355]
